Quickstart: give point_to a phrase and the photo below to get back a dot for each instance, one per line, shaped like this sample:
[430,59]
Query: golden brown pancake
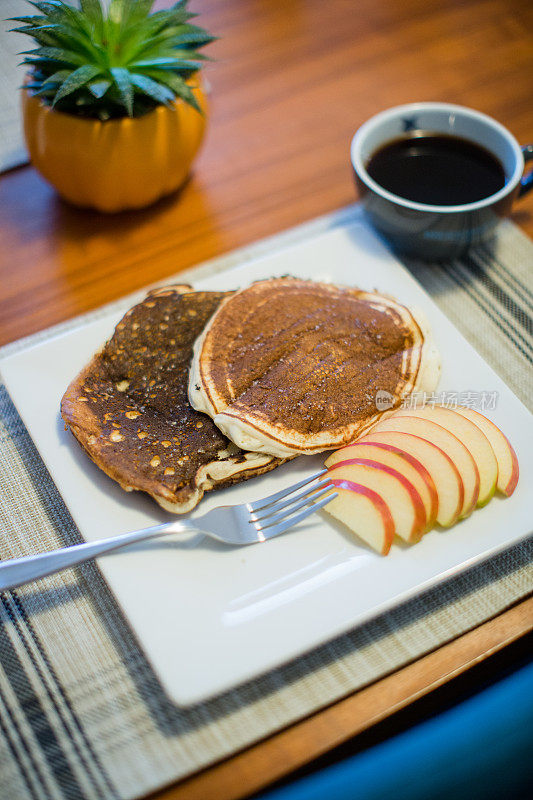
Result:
[288,366]
[129,410]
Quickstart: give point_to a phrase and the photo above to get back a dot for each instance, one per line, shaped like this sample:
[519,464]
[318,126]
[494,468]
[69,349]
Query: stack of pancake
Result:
[201,390]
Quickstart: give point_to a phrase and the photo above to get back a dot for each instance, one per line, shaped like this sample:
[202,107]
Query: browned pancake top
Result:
[305,356]
[129,408]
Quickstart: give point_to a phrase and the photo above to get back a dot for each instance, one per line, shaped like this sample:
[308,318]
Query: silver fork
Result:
[247,523]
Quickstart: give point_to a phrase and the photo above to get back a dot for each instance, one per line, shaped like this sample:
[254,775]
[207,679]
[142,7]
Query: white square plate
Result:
[208,616]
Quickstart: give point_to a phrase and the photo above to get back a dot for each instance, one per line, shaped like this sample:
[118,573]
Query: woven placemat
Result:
[81,712]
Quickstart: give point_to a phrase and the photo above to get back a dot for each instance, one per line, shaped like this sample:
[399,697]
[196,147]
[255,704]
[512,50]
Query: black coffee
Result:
[436,169]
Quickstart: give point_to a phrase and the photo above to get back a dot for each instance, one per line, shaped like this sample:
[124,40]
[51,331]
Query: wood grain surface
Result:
[291,81]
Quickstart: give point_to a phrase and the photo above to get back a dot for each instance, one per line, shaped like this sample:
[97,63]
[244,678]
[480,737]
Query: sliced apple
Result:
[446,477]
[364,511]
[451,445]
[408,514]
[413,470]
[420,519]
[473,439]
[508,470]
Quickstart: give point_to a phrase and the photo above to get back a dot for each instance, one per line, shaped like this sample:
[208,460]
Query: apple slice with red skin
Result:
[446,477]
[473,439]
[420,517]
[403,500]
[452,446]
[406,465]
[508,470]
[364,511]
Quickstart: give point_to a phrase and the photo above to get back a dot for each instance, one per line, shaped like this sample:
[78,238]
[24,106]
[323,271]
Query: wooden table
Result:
[291,82]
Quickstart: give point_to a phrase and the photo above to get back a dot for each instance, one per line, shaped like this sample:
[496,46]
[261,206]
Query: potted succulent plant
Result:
[114,110]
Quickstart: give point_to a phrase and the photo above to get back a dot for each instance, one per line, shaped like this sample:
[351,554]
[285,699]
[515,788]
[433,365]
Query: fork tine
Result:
[266,522]
[266,501]
[274,530]
[308,494]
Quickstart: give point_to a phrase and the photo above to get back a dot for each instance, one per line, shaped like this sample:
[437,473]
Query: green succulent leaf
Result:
[179,86]
[42,37]
[116,10]
[157,91]
[181,4]
[29,20]
[99,88]
[76,80]
[169,63]
[194,38]
[124,84]
[46,8]
[92,10]
[111,60]
[57,77]
[34,30]
[56,54]
[70,39]
[139,10]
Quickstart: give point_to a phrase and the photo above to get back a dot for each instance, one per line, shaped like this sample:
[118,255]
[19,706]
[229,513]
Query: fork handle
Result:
[17,571]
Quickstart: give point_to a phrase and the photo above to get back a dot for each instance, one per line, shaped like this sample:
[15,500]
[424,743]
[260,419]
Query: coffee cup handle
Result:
[526,184]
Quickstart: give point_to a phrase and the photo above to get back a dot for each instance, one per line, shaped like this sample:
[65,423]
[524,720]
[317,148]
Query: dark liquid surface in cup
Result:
[436,169]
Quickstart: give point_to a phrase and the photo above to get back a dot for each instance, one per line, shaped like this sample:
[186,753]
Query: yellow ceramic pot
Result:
[118,164]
